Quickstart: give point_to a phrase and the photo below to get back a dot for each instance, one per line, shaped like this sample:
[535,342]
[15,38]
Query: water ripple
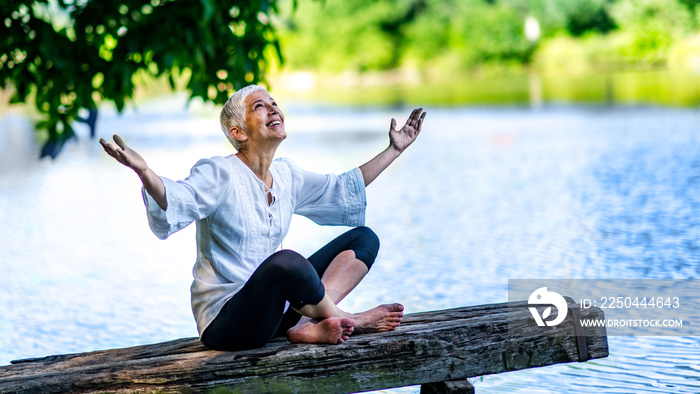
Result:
[484,196]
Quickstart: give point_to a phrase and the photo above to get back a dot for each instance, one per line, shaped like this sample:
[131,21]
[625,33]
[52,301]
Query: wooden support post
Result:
[450,387]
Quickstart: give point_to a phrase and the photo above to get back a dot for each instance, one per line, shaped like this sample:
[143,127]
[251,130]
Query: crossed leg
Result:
[342,275]
[313,286]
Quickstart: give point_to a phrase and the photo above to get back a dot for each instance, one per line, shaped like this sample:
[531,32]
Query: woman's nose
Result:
[273,110]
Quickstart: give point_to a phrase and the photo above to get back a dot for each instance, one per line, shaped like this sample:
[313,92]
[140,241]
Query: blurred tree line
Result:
[458,35]
[69,56]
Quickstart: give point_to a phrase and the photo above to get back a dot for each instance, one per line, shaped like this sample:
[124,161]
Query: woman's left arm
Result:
[399,140]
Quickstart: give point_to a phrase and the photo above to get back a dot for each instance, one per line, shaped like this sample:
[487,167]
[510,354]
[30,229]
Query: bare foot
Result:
[333,330]
[382,318]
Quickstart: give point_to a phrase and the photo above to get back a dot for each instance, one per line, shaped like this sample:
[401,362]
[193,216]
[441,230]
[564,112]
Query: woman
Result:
[242,205]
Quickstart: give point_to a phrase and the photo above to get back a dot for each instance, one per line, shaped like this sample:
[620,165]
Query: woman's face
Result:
[264,120]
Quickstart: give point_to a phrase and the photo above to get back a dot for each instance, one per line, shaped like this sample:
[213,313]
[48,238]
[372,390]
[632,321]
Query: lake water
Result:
[485,195]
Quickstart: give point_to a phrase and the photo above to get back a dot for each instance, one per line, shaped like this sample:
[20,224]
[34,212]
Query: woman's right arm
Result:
[128,157]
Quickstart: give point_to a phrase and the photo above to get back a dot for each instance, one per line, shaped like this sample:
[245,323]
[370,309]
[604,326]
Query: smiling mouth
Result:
[274,123]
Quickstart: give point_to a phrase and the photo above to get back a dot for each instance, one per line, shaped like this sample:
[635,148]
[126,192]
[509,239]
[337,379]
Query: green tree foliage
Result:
[573,17]
[337,35]
[469,32]
[691,4]
[669,16]
[649,31]
[489,32]
[452,36]
[70,55]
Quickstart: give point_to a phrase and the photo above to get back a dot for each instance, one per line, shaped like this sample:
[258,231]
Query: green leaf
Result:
[98,50]
[209,8]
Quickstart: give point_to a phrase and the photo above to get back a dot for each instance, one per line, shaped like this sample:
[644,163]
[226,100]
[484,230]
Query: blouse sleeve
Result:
[332,199]
[193,198]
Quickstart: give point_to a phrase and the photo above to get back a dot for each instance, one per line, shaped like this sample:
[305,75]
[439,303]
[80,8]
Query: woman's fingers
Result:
[420,123]
[415,124]
[415,115]
[107,147]
[415,121]
[418,113]
[115,149]
[119,141]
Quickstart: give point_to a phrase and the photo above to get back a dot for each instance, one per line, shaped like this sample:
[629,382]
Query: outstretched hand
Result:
[402,138]
[399,140]
[124,154]
[127,156]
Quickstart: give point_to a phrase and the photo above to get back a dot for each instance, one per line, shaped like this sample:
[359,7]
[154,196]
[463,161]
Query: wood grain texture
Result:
[428,347]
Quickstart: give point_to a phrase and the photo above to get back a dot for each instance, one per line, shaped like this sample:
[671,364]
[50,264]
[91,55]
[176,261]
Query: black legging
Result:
[256,314]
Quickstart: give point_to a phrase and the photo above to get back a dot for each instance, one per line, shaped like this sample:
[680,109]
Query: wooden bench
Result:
[437,350]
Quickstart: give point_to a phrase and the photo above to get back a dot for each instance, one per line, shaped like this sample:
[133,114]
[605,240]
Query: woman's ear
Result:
[237,134]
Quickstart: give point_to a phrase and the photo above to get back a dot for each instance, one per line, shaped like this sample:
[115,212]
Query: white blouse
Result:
[237,229]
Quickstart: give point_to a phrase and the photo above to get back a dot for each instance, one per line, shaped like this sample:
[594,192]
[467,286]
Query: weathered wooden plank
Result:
[428,347]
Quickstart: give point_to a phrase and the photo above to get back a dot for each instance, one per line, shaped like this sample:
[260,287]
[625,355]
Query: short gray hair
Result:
[233,113]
